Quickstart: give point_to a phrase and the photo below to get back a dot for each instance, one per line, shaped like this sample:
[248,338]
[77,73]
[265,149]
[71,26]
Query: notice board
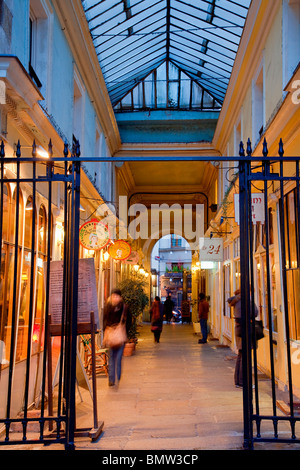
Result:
[87,292]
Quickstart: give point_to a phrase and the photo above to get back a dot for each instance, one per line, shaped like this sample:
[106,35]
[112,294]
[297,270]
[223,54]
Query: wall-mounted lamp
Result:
[59,234]
[42,152]
[213,207]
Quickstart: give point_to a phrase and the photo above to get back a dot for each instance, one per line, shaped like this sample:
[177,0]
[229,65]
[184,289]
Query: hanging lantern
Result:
[36,333]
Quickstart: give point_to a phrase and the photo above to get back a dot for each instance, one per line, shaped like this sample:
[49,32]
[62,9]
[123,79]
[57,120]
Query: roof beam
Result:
[168,22]
[127,10]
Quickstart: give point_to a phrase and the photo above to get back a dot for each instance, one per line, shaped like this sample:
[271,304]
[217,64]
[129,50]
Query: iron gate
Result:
[23,263]
[274,178]
[264,175]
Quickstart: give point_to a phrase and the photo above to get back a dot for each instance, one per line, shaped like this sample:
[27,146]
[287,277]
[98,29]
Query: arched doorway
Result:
[171,261]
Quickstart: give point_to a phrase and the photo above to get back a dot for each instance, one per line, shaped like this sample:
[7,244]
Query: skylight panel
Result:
[137,55]
[200,37]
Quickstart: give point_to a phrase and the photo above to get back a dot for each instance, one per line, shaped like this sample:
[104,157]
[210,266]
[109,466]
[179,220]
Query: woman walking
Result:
[157,312]
[115,312]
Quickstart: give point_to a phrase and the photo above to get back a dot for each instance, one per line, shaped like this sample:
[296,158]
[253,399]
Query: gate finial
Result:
[50,149]
[249,148]
[2,150]
[34,149]
[18,152]
[66,149]
[281,151]
[242,150]
[265,148]
[78,149]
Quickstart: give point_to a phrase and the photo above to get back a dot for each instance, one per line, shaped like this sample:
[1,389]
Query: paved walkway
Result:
[175,395]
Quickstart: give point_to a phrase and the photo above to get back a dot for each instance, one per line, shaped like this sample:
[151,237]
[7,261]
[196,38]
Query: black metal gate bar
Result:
[248,175]
[14,318]
[73,293]
[30,324]
[62,366]
[245,297]
[70,178]
[285,297]
[266,174]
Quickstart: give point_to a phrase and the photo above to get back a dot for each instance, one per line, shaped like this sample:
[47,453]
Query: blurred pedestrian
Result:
[168,308]
[116,313]
[157,312]
[235,302]
[203,311]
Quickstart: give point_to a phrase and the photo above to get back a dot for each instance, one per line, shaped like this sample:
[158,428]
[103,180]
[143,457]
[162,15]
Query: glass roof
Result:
[134,38]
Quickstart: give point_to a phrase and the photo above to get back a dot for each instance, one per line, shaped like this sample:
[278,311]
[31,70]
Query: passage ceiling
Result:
[133,38]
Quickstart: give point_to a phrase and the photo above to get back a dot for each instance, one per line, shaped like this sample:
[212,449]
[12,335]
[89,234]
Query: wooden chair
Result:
[101,365]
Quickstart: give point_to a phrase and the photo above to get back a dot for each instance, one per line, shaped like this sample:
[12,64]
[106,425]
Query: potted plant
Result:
[134,296]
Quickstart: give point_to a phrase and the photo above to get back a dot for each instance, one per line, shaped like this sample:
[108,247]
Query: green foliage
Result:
[134,296]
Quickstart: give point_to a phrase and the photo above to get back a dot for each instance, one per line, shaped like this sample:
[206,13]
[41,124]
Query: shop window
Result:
[26,282]
[291,38]
[175,241]
[262,294]
[237,275]
[6,208]
[39,50]
[227,287]
[292,249]
[236,264]
[258,107]
[78,109]
[37,335]
[10,274]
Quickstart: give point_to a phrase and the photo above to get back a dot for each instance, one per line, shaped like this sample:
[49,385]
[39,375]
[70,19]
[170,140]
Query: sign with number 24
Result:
[211,249]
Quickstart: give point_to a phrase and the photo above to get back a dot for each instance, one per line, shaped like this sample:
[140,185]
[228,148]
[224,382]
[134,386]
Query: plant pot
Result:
[129,349]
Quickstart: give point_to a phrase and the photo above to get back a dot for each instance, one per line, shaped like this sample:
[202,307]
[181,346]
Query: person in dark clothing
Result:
[203,317]
[235,302]
[113,311]
[168,308]
[157,313]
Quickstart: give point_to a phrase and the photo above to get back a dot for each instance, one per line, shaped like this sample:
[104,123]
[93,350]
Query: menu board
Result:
[87,291]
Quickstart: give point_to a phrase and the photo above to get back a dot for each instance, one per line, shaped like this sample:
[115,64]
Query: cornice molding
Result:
[190,149]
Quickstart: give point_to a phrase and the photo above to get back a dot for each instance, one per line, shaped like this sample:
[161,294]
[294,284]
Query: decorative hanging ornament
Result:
[94,235]
[119,250]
